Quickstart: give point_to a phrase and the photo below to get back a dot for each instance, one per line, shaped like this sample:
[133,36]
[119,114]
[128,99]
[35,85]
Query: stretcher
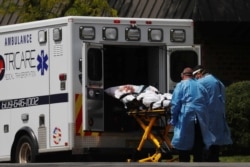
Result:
[151,110]
[149,120]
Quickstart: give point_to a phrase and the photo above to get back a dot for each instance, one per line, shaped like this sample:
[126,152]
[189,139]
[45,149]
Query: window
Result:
[94,64]
[179,60]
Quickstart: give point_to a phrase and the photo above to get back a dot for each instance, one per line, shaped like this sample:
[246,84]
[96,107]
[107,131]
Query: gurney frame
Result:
[148,119]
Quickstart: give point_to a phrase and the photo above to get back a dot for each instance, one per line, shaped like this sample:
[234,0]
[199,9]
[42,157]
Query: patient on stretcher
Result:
[140,96]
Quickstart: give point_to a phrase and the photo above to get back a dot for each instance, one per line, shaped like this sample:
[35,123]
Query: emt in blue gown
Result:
[189,118]
[216,111]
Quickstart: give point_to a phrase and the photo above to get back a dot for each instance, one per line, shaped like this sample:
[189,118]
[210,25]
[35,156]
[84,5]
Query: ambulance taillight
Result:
[63,78]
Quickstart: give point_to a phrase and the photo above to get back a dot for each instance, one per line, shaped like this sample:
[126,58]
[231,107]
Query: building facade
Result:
[221,28]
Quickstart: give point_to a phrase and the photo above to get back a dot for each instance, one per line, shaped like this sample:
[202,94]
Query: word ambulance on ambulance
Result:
[53,74]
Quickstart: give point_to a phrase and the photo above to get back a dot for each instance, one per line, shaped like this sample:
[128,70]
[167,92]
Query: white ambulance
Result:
[53,74]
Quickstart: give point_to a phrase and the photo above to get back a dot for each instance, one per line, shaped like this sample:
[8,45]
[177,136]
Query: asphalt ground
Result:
[65,160]
[130,164]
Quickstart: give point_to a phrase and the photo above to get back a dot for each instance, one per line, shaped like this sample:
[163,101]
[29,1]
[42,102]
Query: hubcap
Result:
[25,153]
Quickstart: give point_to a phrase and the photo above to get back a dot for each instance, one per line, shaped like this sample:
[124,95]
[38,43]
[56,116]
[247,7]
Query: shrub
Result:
[238,113]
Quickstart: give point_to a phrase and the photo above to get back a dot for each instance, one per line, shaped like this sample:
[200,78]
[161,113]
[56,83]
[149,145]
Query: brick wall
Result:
[229,62]
[225,48]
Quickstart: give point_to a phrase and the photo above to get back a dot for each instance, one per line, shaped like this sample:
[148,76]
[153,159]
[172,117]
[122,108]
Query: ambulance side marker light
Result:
[63,77]
[25,117]
[6,128]
[117,21]
[57,34]
[42,36]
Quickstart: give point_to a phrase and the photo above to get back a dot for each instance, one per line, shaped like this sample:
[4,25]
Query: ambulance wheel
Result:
[25,150]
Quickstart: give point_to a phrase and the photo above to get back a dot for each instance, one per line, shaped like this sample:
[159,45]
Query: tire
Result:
[25,151]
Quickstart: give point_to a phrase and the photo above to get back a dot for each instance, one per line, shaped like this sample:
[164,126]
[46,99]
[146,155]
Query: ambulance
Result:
[53,74]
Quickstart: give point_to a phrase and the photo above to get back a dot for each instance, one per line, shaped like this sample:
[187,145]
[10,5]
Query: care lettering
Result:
[18,60]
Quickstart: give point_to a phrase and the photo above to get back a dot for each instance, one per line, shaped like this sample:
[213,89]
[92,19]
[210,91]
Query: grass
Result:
[239,158]
[227,159]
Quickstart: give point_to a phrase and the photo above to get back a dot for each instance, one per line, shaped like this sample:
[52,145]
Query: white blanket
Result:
[148,96]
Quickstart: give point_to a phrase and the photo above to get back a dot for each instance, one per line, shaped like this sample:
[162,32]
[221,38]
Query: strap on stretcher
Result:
[148,112]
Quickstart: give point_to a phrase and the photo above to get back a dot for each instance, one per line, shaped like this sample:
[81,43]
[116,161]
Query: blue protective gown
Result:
[189,104]
[216,109]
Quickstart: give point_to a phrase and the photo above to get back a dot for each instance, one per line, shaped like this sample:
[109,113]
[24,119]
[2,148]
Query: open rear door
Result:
[92,87]
[179,57]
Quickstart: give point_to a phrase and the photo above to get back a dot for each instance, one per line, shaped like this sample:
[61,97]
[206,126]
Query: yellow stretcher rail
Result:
[147,119]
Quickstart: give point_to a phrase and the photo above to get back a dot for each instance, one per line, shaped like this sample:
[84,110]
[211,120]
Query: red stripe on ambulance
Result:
[78,114]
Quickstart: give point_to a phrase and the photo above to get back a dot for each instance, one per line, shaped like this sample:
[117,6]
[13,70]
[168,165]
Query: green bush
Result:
[238,113]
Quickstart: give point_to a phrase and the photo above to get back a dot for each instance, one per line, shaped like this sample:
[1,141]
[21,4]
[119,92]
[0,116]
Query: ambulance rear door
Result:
[179,57]
[92,87]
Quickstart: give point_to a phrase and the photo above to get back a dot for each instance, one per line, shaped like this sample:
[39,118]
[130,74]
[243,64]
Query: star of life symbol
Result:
[42,59]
